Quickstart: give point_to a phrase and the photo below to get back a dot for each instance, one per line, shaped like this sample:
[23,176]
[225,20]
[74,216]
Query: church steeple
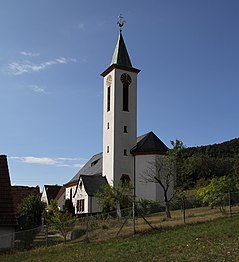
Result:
[120,55]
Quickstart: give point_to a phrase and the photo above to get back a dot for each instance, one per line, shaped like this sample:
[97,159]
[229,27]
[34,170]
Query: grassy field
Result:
[216,240]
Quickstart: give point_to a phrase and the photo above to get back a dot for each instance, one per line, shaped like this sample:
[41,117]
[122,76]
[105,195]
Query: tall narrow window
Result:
[125,129]
[108,99]
[125,97]
[126,81]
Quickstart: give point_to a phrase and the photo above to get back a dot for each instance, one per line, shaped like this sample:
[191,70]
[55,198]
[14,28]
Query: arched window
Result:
[125,179]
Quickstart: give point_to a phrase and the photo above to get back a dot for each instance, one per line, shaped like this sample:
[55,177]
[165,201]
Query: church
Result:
[125,156]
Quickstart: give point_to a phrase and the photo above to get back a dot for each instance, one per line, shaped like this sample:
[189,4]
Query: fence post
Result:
[46,233]
[184,213]
[87,227]
[229,203]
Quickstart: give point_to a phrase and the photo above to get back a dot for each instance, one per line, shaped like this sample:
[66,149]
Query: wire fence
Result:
[146,215]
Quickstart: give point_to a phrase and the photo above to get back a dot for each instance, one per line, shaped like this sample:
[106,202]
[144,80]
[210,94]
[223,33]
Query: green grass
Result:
[216,240]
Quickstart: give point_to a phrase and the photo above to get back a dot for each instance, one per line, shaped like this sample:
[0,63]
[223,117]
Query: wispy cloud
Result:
[60,161]
[81,26]
[25,53]
[38,89]
[19,68]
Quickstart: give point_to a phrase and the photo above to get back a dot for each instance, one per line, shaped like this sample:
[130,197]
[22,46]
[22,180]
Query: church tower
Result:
[119,115]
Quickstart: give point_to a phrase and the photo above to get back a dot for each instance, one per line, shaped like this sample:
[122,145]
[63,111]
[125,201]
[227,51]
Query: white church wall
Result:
[144,189]
[150,190]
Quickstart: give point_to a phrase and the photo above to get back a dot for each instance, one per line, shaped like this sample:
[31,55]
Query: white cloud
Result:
[60,162]
[19,68]
[38,89]
[25,53]
[78,165]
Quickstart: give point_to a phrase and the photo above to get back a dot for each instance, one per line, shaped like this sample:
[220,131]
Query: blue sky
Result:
[52,54]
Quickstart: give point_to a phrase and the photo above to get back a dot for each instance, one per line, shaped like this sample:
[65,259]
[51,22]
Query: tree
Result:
[115,198]
[68,207]
[32,207]
[162,170]
[63,222]
[215,193]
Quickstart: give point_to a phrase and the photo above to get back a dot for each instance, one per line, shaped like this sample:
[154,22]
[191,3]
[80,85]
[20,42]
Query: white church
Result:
[125,156]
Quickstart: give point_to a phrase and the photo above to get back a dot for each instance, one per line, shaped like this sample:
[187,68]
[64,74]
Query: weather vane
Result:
[121,22]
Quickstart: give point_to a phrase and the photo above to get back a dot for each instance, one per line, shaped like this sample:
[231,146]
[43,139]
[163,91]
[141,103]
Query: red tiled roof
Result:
[7,214]
[19,193]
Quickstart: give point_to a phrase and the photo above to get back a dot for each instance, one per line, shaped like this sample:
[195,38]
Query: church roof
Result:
[149,144]
[92,167]
[7,213]
[120,55]
[146,144]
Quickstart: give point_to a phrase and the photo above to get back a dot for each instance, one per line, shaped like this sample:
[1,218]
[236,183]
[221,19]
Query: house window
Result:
[108,99]
[108,125]
[125,129]
[125,152]
[125,97]
[80,205]
[125,179]
[81,185]
[71,194]
[108,149]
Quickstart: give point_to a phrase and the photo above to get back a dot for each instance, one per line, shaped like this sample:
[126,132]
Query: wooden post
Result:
[229,203]
[184,213]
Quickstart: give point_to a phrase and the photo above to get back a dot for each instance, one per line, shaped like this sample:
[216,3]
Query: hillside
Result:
[225,149]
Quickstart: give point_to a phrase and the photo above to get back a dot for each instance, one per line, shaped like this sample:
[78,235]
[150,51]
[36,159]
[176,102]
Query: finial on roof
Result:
[121,22]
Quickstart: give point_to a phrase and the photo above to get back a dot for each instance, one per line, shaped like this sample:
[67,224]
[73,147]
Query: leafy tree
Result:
[68,207]
[115,198]
[215,192]
[32,207]
[63,222]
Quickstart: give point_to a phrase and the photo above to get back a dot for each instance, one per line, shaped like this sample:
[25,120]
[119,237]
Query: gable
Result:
[7,214]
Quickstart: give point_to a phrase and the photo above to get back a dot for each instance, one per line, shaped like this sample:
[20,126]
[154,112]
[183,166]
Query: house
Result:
[49,192]
[60,198]
[8,220]
[81,189]
[125,157]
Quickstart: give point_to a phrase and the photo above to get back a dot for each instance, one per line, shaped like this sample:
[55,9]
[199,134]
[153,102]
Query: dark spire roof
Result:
[149,144]
[120,55]
[7,214]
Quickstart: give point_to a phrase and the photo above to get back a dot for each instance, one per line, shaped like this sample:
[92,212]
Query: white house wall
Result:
[44,196]
[7,236]
[81,194]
